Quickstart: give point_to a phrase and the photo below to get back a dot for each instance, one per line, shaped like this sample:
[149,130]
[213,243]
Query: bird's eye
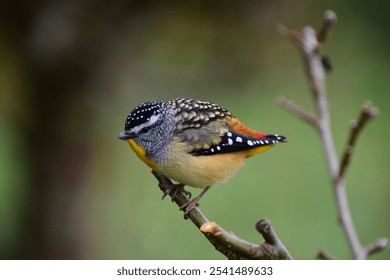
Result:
[145,130]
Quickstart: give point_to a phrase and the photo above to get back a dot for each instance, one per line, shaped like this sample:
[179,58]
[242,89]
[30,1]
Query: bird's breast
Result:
[200,171]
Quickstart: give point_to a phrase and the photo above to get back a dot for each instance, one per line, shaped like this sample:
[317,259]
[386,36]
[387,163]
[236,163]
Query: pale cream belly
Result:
[203,171]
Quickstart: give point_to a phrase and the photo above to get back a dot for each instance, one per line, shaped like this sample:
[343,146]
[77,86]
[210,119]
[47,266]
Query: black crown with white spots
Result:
[142,114]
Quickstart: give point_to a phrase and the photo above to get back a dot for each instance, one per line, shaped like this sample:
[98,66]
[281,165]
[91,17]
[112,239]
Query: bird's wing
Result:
[234,142]
[191,113]
[208,129]
[217,138]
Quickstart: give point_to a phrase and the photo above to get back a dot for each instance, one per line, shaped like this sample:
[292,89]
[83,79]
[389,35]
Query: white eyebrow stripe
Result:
[150,122]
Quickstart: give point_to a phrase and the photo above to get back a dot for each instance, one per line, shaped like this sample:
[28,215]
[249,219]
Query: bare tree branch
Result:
[297,111]
[330,19]
[225,242]
[378,246]
[322,255]
[272,240]
[310,46]
[367,113]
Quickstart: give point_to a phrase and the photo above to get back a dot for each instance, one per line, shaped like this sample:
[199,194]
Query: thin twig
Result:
[223,241]
[292,35]
[271,239]
[330,19]
[322,255]
[378,246]
[297,111]
[367,113]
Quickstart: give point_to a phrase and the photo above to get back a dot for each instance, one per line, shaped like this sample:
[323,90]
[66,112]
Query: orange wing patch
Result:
[237,126]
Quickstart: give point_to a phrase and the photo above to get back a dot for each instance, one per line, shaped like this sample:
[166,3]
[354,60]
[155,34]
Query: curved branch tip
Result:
[330,18]
[379,245]
[369,110]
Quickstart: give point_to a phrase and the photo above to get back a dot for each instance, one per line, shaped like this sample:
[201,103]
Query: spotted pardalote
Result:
[193,142]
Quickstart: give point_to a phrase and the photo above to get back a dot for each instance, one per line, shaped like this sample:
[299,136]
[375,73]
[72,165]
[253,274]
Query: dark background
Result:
[70,71]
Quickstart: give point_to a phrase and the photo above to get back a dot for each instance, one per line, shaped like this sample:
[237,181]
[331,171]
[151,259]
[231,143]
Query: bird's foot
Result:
[175,189]
[189,206]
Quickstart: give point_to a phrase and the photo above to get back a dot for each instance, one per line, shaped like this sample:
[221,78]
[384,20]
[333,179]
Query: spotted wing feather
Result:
[234,142]
[191,113]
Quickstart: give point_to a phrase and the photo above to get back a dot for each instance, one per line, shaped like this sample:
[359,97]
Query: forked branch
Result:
[225,242]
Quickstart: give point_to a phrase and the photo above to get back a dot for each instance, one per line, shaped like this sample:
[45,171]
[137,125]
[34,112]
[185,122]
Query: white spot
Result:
[230,141]
[229,134]
[261,142]
[212,150]
[239,139]
[250,143]
[266,141]
[218,148]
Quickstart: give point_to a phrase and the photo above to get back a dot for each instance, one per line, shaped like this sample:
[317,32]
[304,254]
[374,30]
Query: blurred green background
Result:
[70,72]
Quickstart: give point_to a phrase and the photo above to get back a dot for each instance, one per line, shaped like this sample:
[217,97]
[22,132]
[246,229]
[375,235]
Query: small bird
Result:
[192,142]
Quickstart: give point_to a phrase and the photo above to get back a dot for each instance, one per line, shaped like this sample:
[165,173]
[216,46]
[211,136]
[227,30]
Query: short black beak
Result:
[125,134]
